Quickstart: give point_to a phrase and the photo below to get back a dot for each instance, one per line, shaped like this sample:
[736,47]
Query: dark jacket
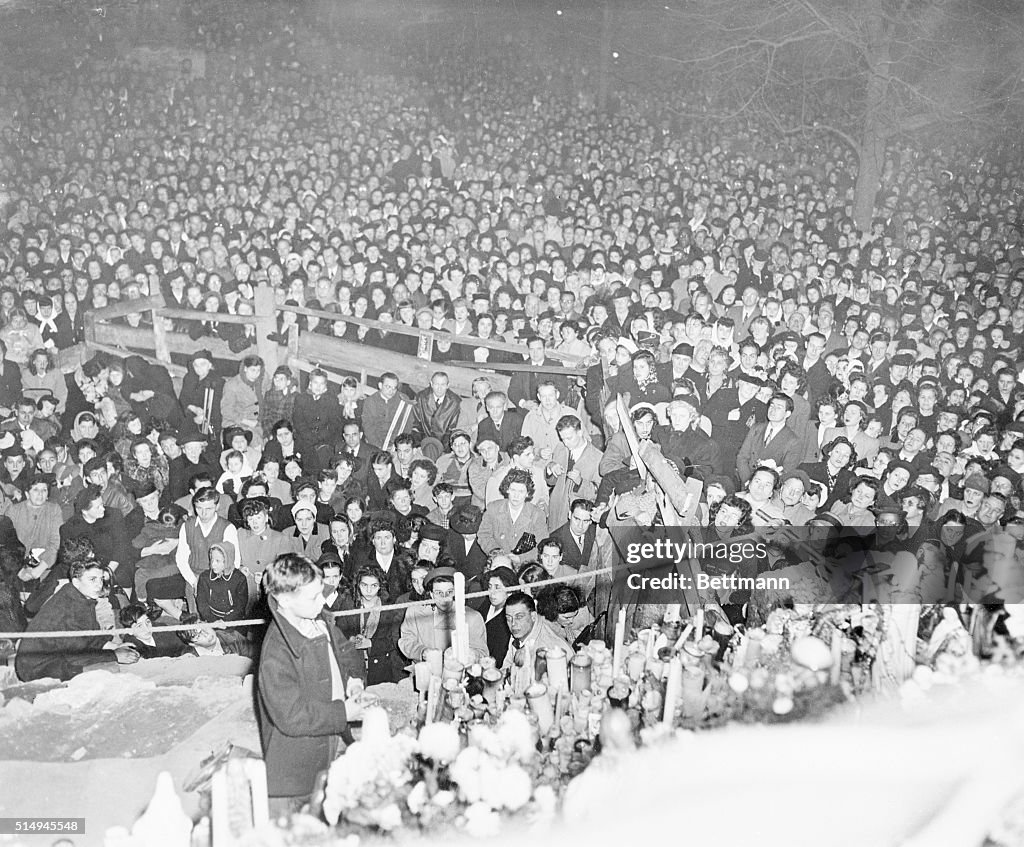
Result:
[523,384]
[62,658]
[498,633]
[383,661]
[511,428]
[694,453]
[193,393]
[600,389]
[433,421]
[471,564]
[299,722]
[315,422]
[111,540]
[10,384]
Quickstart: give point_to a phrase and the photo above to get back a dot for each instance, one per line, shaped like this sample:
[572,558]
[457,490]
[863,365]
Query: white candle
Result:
[558,669]
[620,637]
[461,640]
[698,625]
[673,688]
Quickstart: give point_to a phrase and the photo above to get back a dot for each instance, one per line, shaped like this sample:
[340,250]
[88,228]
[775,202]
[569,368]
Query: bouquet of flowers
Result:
[365,784]
[491,774]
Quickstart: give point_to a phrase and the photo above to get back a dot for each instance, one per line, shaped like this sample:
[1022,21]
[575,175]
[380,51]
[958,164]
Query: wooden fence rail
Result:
[302,350]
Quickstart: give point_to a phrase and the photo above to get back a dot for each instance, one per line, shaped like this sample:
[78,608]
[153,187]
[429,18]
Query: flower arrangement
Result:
[363,785]
[484,755]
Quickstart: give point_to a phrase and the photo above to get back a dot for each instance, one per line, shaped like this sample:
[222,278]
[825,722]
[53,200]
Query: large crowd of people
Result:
[805,370]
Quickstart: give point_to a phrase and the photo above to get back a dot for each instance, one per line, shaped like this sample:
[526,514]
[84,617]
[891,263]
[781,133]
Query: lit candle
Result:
[461,642]
[620,637]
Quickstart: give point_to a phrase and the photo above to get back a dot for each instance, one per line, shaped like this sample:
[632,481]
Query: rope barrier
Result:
[86,633]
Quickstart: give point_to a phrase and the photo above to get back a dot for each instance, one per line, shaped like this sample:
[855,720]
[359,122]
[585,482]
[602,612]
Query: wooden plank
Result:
[630,432]
[192,315]
[526,367]
[121,337]
[355,358]
[683,492]
[402,329]
[71,358]
[127,307]
[172,369]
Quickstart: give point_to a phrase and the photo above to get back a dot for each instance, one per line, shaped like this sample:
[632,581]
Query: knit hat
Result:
[978,483]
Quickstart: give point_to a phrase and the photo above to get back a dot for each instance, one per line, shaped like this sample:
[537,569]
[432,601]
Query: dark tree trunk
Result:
[872,142]
[871,154]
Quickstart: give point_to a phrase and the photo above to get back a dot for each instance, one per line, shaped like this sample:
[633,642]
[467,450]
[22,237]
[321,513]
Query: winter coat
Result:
[383,661]
[62,658]
[299,723]
[241,400]
[193,392]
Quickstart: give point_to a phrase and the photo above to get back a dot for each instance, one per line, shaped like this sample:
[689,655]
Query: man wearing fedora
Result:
[433,627]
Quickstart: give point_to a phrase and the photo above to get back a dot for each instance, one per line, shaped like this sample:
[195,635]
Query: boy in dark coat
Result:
[309,681]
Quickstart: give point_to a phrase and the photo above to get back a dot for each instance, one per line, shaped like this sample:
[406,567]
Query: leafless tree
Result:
[864,72]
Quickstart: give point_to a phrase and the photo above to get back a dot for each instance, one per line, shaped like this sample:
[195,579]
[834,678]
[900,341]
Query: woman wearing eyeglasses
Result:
[372,631]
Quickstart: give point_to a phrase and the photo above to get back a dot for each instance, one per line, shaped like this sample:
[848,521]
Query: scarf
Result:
[371,621]
[256,385]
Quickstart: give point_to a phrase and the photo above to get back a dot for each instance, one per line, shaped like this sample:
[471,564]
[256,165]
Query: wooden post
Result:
[293,342]
[265,309]
[160,347]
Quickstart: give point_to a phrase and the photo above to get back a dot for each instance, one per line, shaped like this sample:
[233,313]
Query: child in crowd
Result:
[234,475]
[222,593]
[444,500]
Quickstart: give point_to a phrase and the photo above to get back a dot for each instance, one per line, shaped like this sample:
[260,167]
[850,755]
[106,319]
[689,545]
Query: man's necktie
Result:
[768,435]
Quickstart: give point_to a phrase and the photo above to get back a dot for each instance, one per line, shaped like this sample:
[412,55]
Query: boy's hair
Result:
[443,488]
[288,572]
